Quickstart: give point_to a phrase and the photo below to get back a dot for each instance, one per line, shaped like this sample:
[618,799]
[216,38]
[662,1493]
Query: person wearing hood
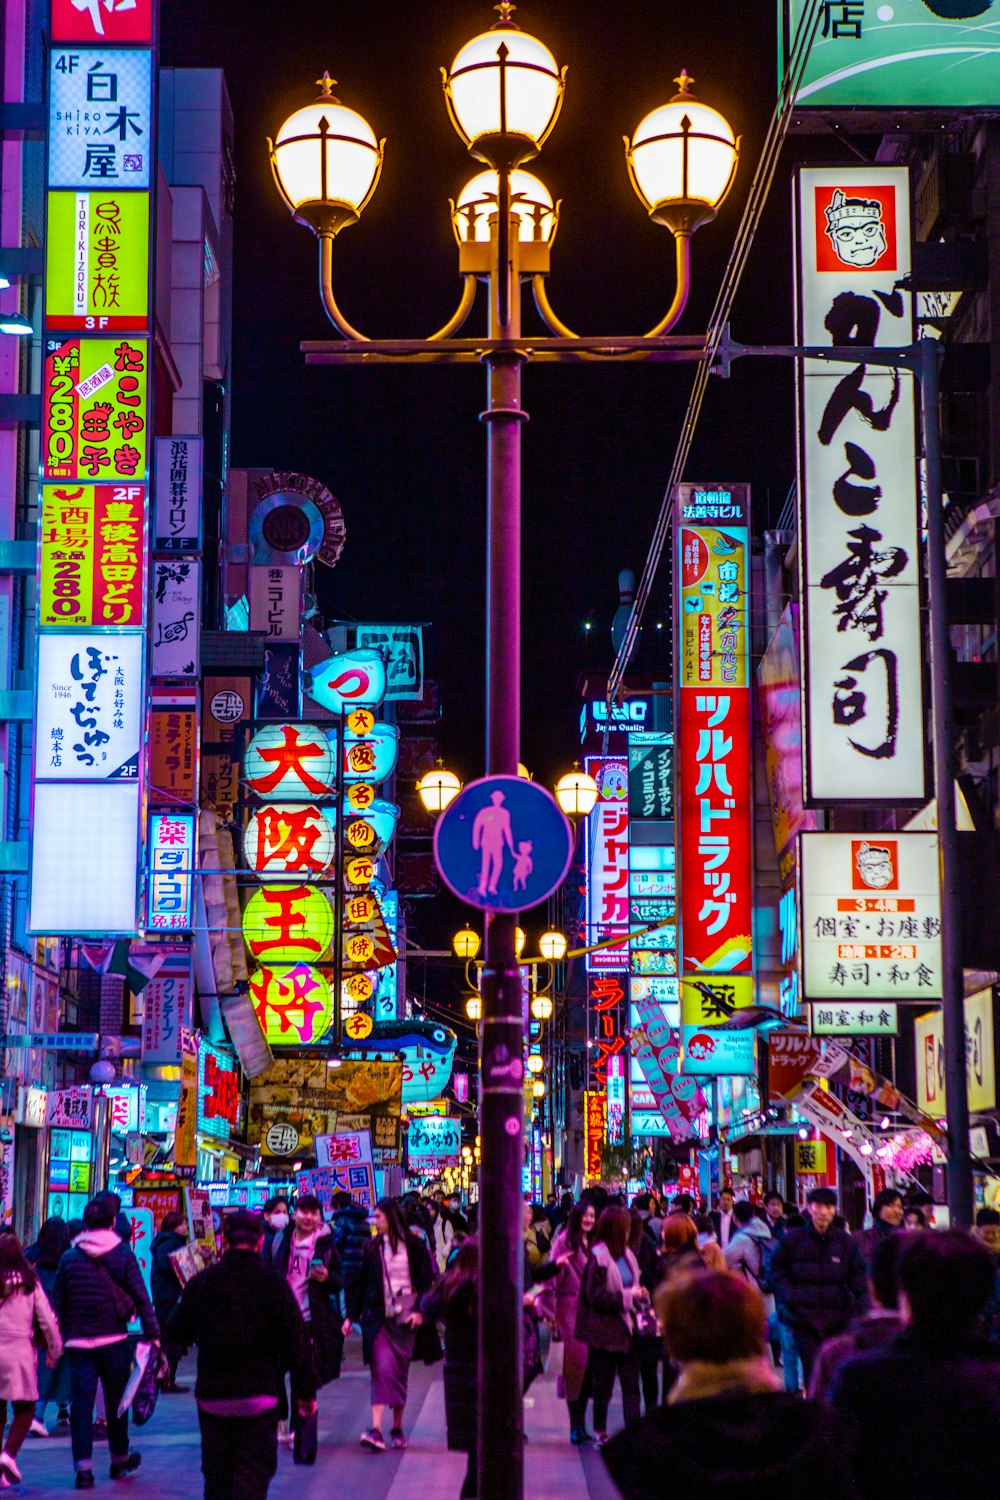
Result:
[726,1429]
[305,1257]
[875,1330]
[166,1285]
[746,1250]
[97,1291]
[43,1256]
[987,1232]
[887,1218]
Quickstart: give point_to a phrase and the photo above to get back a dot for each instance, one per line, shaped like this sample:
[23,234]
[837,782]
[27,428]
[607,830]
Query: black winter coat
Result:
[84,1302]
[366,1298]
[752,1446]
[461,1371]
[819,1280]
[248,1328]
[324,1305]
[600,1313]
[936,1401]
[163,1279]
[351,1236]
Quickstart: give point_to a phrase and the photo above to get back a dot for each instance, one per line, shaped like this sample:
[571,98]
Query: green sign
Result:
[888,54]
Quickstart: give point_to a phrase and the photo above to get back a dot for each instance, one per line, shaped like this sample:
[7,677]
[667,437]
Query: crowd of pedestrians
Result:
[758,1350]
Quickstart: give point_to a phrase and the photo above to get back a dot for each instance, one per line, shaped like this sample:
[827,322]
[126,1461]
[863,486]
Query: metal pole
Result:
[338,889]
[501,1227]
[960,1194]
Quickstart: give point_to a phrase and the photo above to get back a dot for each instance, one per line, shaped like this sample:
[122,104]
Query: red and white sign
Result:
[607,865]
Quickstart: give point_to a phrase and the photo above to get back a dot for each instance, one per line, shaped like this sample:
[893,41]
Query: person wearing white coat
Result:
[24,1308]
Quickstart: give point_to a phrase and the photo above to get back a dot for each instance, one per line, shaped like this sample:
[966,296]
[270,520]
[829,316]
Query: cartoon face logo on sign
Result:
[875,865]
[856,231]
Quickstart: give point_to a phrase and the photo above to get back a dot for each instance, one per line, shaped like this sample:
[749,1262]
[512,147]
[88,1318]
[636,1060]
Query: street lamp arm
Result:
[333,312]
[552,320]
[461,312]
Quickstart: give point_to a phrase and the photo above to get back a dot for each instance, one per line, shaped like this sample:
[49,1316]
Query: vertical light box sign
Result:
[863,706]
[91,693]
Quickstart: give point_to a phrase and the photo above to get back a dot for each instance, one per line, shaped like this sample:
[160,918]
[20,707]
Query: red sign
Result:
[607,1005]
[790,1056]
[102,21]
[716,831]
[594,1107]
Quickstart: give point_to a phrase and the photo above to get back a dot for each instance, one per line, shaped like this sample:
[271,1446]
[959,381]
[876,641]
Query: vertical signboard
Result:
[863,706]
[607,865]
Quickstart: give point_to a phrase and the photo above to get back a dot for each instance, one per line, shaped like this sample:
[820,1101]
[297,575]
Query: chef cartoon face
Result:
[855,229]
[874,862]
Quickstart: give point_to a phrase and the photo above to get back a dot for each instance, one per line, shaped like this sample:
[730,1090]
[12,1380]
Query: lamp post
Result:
[503,92]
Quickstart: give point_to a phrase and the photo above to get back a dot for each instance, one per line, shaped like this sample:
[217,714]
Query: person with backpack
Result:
[750,1250]
[97,1291]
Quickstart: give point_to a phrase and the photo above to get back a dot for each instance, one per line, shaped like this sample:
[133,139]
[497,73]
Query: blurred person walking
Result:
[165,1284]
[453,1300]
[875,1330]
[558,1303]
[304,1256]
[53,1381]
[25,1313]
[605,1322]
[887,1219]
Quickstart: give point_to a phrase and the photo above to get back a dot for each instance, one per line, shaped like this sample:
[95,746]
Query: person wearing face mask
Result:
[276,1218]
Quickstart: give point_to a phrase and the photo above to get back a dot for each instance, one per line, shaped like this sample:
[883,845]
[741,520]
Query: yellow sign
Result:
[186,1131]
[360,908]
[429,1107]
[810,1158]
[361,795]
[97,261]
[980,1059]
[288,924]
[715,998]
[360,721]
[360,871]
[359,988]
[359,948]
[360,833]
[358,1026]
[293,1003]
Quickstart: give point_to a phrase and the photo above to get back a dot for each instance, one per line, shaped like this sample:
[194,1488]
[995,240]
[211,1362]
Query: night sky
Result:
[402,448]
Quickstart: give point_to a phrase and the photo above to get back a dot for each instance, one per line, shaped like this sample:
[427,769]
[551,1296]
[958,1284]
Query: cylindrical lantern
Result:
[293,1002]
[289,841]
[291,763]
[288,924]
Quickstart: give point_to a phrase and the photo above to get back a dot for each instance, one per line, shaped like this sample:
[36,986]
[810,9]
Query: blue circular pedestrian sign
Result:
[503,844]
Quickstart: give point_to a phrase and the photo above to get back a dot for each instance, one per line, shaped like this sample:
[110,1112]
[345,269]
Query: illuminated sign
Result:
[371,758]
[218,1091]
[616,1100]
[276,601]
[173,748]
[345,681]
[290,762]
[93,555]
[439,1136]
[372,829]
[651,778]
[705,1005]
[858,503]
[177,488]
[607,864]
[166,1007]
[594,1107]
[176,618]
[943,53]
[171,852]
[100,118]
[102,21]
[293,1002]
[854,1018]
[77,829]
[97,261]
[126,1107]
[715,798]
[871,916]
[285,839]
[94,409]
[89,708]
[779,696]
[980,1058]
[288,924]
[402,649]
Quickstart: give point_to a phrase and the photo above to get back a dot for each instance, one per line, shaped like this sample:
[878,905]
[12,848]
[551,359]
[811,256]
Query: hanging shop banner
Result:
[779,697]
[708,1047]
[652,905]
[279,683]
[100,118]
[651,778]
[854,1018]
[170,849]
[97,261]
[75,828]
[94,409]
[402,648]
[102,21]
[347,1158]
[186,1130]
[715,797]
[437,1136]
[177,491]
[71,1109]
[218,1091]
[289,840]
[276,602]
[858,504]
[615,1097]
[594,1106]
[173,748]
[871,916]
[90,707]
[7,1176]
[291,763]
[607,1022]
[980,1057]
[913,53]
[791,1056]
[176,618]
[607,865]
[93,555]
[293,1002]
[167,1002]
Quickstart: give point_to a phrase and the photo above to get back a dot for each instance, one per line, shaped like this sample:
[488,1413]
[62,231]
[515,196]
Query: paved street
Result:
[427,1471]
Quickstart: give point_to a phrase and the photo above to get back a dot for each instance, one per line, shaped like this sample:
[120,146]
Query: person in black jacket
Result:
[453,1299]
[351,1237]
[305,1257]
[818,1279]
[249,1332]
[399,1260]
[98,1288]
[166,1285]
[935,1390]
[726,1429]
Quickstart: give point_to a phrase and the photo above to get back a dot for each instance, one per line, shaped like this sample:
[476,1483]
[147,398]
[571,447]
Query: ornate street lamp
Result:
[326,163]
[438,789]
[576,793]
[552,945]
[466,944]
[504,92]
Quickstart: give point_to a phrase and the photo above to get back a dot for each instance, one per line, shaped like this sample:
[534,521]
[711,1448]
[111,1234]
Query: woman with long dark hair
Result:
[558,1303]
[53,1384]
[453,1300]
[611,1288]
[24,1308]
[385,1299]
